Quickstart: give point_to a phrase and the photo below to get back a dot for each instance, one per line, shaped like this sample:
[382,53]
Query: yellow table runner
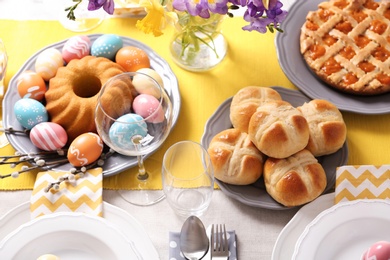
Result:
[251,60]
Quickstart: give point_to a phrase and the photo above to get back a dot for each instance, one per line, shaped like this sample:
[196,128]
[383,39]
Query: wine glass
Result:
[135,126]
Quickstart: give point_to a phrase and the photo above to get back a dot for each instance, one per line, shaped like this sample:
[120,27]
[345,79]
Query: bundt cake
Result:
[73,93]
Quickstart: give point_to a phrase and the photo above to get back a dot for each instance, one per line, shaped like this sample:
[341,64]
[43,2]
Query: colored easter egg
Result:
[48,62]
[106,46]
[48,257]
[31,85]
[48,136]
[132,58]
[149,108]
[146,85]
[378,251]
[121,134]
[76,47]
[85,149]
[30,112]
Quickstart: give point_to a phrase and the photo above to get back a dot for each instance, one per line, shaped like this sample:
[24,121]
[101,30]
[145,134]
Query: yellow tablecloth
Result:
[251,60]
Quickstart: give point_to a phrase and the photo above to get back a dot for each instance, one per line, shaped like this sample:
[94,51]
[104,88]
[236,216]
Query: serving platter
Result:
[296,70]
[345,231]
[256,195]
[115,163]
[114,217]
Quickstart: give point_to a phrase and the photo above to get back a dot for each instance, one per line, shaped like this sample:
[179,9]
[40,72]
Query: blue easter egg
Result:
[106,46]
[121,133]
[30,112]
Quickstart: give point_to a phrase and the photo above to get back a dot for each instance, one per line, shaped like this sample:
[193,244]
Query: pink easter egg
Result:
[379,251]
[76,47]
[48,62]
[48,136]
[85,149]
[31,85]
[149,108]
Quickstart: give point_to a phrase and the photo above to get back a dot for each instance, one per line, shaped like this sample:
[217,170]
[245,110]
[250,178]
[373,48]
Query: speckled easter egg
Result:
[146,85]
[85,149]
[149,108]
[106,46]
[31,85]
[30,112]
[122,133]
[48,62]
[48,136]
[132,58]
[76,47]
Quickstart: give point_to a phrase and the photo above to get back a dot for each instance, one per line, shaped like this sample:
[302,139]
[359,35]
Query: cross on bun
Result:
[328,131]
[278,129]
[295,180]
[246,101]
[235,159]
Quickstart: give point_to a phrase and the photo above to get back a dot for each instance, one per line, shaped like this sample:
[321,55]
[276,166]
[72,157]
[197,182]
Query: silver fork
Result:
[219,242]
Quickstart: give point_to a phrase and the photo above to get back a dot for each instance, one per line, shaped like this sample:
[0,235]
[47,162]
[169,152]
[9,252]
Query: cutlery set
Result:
[195,243]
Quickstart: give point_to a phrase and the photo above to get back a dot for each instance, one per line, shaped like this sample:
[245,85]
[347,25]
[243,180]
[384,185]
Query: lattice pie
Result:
[347,44]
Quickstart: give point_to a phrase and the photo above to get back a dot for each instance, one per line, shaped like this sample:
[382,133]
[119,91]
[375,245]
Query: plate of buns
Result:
[330,53]
[275,148]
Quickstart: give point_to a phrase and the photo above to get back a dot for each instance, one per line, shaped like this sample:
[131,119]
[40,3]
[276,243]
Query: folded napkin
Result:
[176,254]
[362,182]
[83,194]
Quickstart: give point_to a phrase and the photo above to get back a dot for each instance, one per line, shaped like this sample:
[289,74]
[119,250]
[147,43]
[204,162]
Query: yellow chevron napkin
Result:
[84,194]
[362,182]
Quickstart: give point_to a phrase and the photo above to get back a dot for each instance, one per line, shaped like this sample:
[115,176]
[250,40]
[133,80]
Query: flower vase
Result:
[85,20]
[198,43]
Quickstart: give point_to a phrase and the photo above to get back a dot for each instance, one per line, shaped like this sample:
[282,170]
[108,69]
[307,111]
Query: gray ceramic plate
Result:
[255,195]
[116,163]
[295,68]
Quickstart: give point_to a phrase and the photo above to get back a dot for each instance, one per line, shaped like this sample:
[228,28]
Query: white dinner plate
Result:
[296,70]
[285,243]
[256,195]
[345,231]
[114,217]
[115,163]
[68,235]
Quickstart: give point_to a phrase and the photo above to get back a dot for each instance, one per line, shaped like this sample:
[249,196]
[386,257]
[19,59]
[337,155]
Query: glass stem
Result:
[142,174]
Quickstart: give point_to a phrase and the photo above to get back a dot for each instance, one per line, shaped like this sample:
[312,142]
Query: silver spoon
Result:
[194,242]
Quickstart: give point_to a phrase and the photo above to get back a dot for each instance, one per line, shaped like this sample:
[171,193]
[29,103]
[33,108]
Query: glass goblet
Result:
[188,178]
[135,127]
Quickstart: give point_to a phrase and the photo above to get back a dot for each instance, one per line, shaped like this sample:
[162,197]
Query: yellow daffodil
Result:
[156,18]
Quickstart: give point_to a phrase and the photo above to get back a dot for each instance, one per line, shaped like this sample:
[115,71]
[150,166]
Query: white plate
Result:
[68,236]
[345,231]
[295,68]
[256,195]
[285,243]
[117,162]
[116,217]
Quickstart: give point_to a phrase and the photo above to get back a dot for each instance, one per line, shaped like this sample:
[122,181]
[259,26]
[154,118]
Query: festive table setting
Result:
[197,108]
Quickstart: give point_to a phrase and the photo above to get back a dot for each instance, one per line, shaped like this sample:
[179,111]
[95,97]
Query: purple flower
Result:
[108,5]
[261,18]
[201,8]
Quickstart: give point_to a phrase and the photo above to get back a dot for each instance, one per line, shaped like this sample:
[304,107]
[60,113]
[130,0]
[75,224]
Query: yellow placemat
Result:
[251,60]
[362,182]
[83,194]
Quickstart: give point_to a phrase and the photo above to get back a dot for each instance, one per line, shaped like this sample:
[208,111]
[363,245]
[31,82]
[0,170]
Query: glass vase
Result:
[85,20]
[198,43]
